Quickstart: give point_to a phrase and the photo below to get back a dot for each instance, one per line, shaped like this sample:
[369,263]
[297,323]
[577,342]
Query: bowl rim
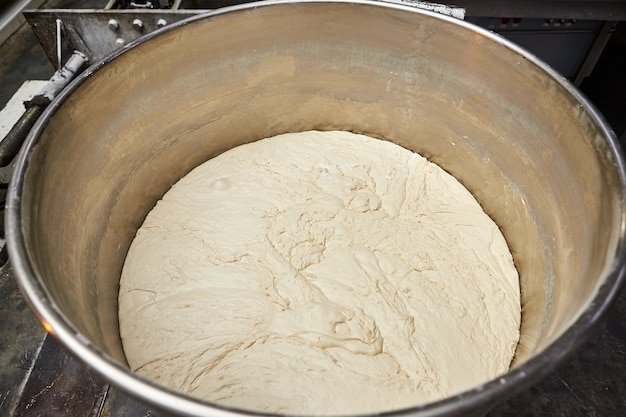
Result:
[482,397]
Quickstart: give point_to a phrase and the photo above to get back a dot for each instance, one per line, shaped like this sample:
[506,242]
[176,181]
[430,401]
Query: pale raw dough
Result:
[319,273]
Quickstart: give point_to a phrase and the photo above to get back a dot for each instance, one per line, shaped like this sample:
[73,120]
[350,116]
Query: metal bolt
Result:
[161,22]
[113,24]
[138,25]
[119,42]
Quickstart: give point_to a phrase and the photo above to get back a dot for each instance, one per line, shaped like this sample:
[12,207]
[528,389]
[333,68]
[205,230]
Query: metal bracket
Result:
[96,33]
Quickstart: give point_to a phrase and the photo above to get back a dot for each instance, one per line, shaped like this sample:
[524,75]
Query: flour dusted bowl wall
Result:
[535,154]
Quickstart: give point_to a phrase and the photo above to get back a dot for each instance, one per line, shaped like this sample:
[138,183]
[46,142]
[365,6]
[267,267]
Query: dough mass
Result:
[319,273]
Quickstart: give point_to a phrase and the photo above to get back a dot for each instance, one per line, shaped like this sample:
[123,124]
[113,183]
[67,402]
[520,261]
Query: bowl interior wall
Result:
[512,134]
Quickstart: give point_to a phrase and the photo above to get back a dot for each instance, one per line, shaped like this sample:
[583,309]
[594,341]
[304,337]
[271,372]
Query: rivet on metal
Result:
[138,25]
[113,24]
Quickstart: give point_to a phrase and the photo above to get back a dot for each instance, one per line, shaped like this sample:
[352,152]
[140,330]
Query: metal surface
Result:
[548,171]
[10,16]
[59,385]
[595,51]
[570,46]
[49,391]
[542,9]
[97,33]
[12,142]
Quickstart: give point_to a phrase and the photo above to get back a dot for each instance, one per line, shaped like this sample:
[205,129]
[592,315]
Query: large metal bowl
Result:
[533,151]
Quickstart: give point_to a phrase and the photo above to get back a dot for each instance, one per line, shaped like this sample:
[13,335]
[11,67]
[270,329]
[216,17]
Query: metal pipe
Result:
[12,142]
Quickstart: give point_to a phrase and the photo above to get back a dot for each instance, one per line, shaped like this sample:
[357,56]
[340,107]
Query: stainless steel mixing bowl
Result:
[533,151]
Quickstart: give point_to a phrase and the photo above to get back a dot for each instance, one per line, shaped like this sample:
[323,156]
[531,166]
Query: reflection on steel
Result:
[453,11]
